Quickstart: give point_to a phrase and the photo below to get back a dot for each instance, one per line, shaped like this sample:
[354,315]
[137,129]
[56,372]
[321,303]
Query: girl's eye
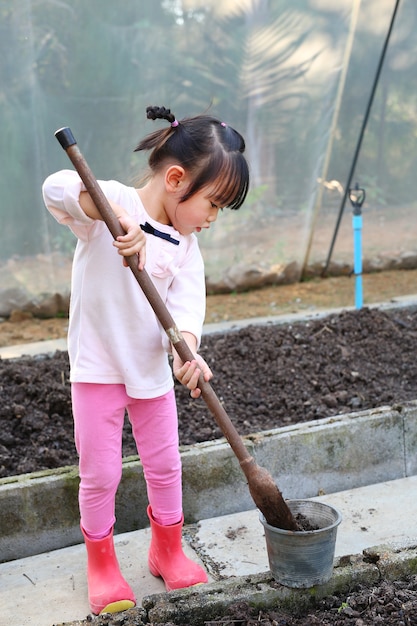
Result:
[214,206]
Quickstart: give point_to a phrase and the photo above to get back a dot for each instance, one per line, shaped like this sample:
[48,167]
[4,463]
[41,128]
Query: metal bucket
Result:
[303,559]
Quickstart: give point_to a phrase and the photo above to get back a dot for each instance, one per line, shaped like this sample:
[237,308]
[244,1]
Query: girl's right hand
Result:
[133,242]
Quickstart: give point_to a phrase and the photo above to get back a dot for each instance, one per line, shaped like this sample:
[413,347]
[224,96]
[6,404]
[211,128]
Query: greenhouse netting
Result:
[298,78]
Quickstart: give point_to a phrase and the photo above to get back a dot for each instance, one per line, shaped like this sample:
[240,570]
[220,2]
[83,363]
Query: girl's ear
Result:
[174,178]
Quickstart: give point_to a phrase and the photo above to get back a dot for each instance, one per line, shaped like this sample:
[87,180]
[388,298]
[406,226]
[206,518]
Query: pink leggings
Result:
[98,421]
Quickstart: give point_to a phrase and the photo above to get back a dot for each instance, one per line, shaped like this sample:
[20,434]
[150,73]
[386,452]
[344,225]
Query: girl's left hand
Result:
[189,372]
[133,242]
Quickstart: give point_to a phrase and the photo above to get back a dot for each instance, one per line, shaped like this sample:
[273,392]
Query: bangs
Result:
[232,182]
[227,175]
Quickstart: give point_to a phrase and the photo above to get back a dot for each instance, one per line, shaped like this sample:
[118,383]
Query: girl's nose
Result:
[213,216]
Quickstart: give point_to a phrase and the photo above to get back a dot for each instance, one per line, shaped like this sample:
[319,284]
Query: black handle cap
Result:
[65,137]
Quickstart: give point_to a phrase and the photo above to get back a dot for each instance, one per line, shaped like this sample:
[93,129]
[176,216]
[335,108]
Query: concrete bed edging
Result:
[198,605]
[263,592]
[40,510]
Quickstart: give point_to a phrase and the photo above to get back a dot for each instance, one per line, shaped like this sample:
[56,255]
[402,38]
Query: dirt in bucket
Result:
[304,523]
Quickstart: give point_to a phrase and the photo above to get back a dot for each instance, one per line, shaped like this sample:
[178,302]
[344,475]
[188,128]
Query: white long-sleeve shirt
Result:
[113,335]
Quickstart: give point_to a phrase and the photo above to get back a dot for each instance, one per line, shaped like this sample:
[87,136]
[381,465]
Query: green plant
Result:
[344,605]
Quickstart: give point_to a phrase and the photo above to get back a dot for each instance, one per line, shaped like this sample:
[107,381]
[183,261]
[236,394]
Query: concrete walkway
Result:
[50,589]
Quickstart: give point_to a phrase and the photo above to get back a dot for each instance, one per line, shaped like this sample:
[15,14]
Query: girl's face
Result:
[194,214]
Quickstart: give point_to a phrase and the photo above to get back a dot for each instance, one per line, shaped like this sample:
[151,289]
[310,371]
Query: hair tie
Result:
[223,124]
[175,123]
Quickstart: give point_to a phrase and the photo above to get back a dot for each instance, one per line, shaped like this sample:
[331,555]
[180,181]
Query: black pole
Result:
[361,135]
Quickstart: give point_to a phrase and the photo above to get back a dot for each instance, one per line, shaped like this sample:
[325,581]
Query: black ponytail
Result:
[208,149]
[159,113]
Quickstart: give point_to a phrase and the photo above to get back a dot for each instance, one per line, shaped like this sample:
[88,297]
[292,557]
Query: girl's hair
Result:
[208,149]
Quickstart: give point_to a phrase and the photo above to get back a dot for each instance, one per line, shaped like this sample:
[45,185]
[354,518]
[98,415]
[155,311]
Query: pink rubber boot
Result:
[108,592]
[167,559]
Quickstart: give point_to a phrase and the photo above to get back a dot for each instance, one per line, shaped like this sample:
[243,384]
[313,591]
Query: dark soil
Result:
[266,377]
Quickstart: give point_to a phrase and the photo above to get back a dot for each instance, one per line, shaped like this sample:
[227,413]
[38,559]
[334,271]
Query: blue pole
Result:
[357,259]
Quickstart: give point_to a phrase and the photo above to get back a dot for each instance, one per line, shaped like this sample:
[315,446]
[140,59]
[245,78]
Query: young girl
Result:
[118,350]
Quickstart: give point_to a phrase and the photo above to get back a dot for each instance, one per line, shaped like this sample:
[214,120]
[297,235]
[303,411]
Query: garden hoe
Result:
[263,490]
